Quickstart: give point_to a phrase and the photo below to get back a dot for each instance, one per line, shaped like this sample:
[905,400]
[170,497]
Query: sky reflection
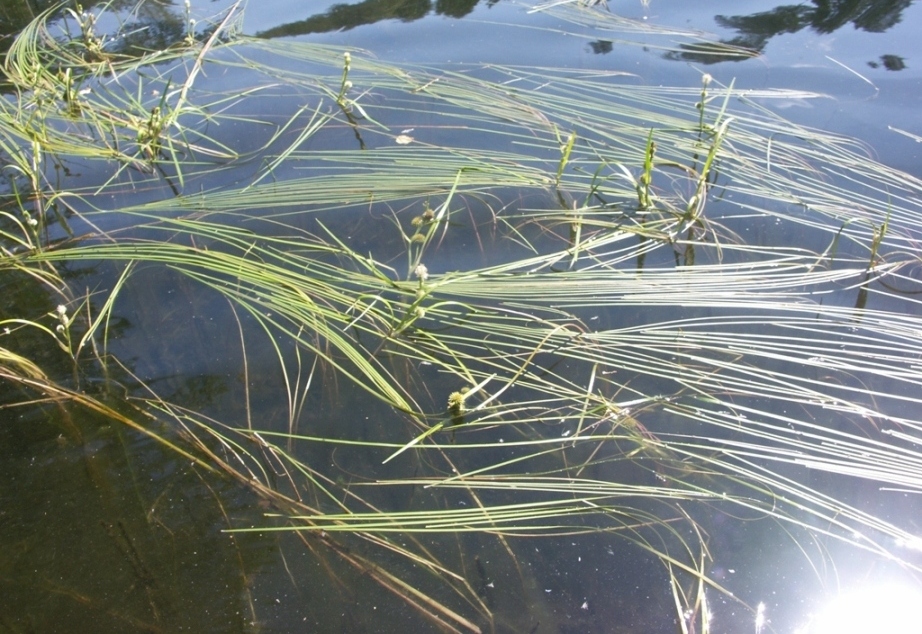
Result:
[892,608]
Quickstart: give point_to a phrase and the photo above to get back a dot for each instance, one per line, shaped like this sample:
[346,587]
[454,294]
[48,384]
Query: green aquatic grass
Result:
[629,325]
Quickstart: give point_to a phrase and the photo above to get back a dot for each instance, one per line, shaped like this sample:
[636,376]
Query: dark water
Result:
[105,530]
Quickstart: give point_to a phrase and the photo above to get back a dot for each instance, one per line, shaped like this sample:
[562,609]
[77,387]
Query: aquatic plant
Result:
[619,333]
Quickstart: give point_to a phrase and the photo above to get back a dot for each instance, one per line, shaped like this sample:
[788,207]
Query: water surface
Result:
[104,529]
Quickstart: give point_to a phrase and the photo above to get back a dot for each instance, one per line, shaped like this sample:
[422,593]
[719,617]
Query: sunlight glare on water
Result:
[890,608]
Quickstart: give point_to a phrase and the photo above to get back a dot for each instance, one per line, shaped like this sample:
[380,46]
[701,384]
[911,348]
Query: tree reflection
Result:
[890,62]
[823,16]
[455,8]
[348,16]
[601,47]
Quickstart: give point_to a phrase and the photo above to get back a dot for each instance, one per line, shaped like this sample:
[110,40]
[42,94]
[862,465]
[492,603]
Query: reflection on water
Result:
[891,608]
[349,16]
[890,62]
[823,16]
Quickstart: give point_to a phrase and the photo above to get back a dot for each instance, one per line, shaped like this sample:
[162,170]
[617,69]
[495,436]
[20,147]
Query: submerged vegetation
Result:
[464,307]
